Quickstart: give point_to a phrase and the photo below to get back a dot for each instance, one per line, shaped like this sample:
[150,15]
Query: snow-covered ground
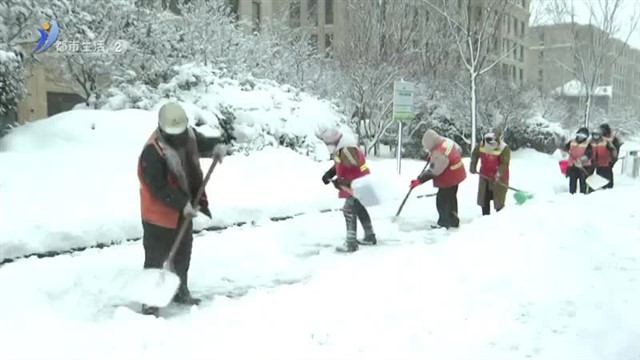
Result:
[556,278]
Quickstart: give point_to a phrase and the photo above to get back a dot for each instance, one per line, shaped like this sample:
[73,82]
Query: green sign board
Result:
[402,101]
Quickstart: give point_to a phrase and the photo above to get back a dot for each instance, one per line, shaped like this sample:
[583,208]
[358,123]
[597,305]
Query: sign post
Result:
[402,111]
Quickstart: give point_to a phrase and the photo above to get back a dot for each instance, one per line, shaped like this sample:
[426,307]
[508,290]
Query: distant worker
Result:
[494,155]
[617,144]
[579,163]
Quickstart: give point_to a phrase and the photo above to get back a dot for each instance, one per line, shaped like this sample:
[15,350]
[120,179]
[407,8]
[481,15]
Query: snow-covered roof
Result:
[577,89]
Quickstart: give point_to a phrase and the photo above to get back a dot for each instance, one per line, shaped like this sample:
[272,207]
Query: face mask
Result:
[596,136]
[581,137]
[178,141]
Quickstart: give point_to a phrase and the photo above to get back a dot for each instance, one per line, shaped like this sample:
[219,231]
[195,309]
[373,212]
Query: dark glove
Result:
[326,179]
[473,171]
[339,183]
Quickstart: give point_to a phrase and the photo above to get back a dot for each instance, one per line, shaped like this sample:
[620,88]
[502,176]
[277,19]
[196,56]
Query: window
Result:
[540,75]
[522,27]
[312,7]
[328,12]
[521,76]
[294,14]
[255,16]
[328,43]
[313,41]
[508,27]
[515,26]
[521,53]
[513,73]
[234,6]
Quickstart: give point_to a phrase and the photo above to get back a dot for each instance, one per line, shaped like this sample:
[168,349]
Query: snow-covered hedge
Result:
[12,87]
[251,113]
[535,133]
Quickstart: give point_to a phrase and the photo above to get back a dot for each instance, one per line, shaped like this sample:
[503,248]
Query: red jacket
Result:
[490,162]
[350,164]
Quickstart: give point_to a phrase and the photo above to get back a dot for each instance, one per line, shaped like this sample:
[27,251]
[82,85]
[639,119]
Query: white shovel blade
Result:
[596,181]
[155,287]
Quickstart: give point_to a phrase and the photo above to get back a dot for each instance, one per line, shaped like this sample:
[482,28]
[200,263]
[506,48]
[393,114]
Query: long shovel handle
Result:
[500,183]
[185,224]
[409,192]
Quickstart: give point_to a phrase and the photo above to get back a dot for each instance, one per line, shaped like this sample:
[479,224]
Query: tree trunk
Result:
[472,84]
[587,110]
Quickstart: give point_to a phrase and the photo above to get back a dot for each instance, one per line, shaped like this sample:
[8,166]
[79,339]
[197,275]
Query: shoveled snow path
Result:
[531,282]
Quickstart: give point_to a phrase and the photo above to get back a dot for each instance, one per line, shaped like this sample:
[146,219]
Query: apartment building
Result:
[553,64]
[323,18]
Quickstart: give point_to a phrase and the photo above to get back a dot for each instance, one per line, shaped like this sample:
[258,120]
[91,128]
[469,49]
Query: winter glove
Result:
[340,183]
[189,211]
[578,163]
[326,179]
[219,152]
[414,183]
[473,171]
[497,177]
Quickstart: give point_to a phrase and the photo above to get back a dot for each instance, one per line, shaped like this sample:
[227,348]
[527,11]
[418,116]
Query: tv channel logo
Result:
[48,36]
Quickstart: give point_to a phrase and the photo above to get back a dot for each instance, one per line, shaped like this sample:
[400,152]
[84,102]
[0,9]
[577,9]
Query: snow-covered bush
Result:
[250,113]
[12,85]
[535,133]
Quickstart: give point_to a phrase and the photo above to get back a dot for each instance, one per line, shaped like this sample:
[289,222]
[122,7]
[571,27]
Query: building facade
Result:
[553,64]
[326,22]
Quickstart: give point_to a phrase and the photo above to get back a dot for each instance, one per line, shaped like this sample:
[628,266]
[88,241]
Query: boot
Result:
[348,246]
[183,297]
[150,310]
[370,239]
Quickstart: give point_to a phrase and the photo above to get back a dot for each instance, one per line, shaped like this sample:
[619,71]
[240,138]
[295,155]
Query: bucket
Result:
[365,190]
[563,166]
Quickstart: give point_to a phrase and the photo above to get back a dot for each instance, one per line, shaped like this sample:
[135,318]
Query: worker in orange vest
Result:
[603,155]
[579,163]
[349,164]
[447,172]
[170,177]
[494,156]
[617,144]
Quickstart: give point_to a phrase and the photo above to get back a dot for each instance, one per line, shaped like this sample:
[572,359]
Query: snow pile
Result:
[70,181]
[253,113]
[532,282]
[575,88]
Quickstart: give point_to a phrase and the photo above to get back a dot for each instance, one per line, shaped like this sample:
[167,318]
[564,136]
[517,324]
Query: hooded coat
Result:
[485,185]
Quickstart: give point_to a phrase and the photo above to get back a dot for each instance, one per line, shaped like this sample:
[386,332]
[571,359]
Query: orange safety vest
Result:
[153,210]
[455,173]
[350,172]
[601,155]
[576,151]
[490,162]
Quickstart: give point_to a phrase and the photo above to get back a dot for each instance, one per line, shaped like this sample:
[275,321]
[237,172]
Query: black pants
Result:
[577,176]
[607,173]
[488,197]
[447,205]
[157,242]
[352,210]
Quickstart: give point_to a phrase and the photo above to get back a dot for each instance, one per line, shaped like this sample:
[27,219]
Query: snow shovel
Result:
[160,285]
[519,196]
[595,181]
[407,196]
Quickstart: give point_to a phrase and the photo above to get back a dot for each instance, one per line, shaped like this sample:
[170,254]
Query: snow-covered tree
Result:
[381,36]
[477,28]
[12,78]
[91,46]
[597,45]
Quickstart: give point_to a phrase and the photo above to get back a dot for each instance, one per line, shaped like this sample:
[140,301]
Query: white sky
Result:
[625,17]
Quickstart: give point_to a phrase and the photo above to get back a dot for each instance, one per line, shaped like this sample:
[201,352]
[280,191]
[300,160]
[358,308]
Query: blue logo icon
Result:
[48,36]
